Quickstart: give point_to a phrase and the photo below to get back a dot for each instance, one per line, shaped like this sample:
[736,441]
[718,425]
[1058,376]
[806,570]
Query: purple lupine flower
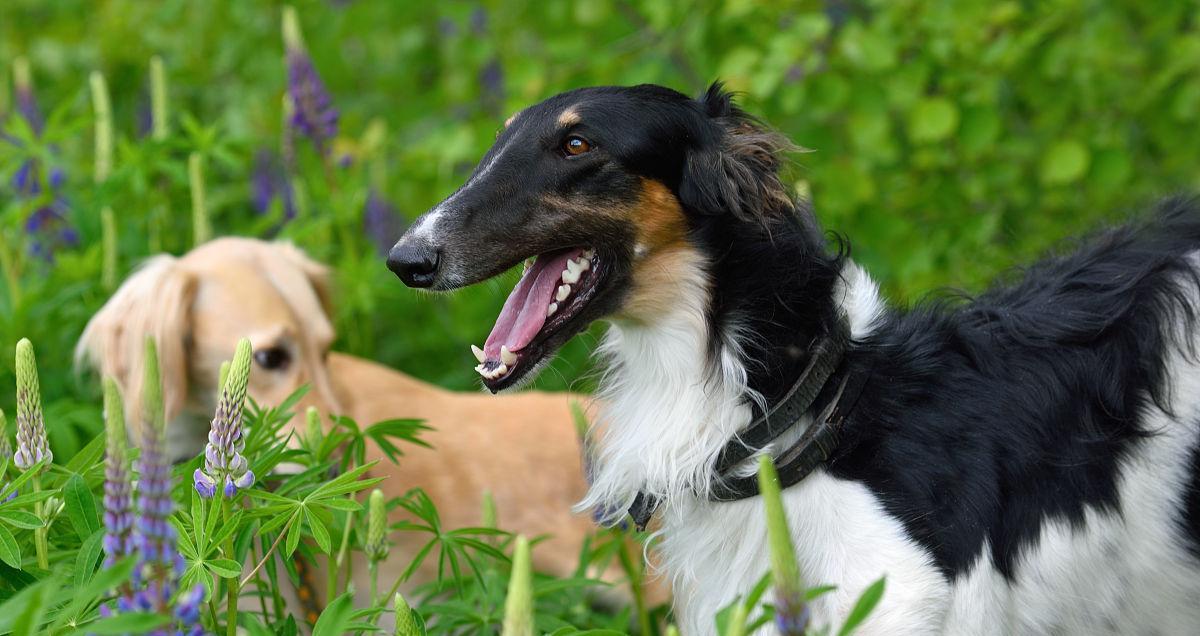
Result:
[382,222]
[268,182]
[491,81]
[313,114]
[478,20]
[118,504]
[153,534]
[224,463]
[51,230]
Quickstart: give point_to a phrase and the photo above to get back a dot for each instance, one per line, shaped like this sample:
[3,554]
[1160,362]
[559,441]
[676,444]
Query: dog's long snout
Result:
[415,260]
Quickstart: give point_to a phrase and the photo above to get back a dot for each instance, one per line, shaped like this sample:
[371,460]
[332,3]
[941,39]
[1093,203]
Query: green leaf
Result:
[1064,162]
[319,531]
[335,618]
[28,608]
[10,552]
[81,507]
[20,519]
[85,560]
[866,602]
[293,535]
[225,568]
[124,623]
[932,119]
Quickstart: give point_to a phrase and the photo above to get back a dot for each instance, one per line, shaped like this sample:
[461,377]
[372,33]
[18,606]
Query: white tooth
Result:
[478,353]
[584,264]
[570,277]
[501,370]
[589,253]
[563,292]
[551,309]
[480,371]
[528,264]
[507,357]
[574,266]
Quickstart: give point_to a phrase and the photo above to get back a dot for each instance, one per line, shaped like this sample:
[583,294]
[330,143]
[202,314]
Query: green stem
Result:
[635,583]
[231,583]
[39,535]
[336,564]
[373,568]
[11,276]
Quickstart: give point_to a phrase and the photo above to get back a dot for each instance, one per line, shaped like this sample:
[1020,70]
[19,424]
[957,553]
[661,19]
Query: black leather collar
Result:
[827,360]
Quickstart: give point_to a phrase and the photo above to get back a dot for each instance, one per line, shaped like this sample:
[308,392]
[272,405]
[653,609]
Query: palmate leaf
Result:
[10,550]
[19,518]
[124,623]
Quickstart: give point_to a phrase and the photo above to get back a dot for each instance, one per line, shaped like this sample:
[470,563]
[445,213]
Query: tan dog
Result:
[523,448]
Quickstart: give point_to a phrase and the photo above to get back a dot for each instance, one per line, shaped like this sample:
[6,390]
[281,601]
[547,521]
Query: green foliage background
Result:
[949,139]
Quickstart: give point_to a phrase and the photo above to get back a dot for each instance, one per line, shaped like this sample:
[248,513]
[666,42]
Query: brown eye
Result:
[576,145]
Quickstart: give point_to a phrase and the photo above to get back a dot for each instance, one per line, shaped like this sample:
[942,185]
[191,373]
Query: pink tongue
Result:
[524,312]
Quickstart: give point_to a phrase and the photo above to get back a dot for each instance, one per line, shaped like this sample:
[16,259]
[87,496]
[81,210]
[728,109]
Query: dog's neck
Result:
[678,389]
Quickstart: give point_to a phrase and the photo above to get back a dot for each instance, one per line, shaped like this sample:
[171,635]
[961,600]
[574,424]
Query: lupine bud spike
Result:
[154,414]
[791,613]
[108,232]
[518,606]
[376,547]
[737,621]
[239,373]
[223,375]
[406,619]
[201,229]
[293,38]
[103,127]
[158,99]
[118,505]
[32,445]
[312,430]
[224,465]
[672,630]
[489,510]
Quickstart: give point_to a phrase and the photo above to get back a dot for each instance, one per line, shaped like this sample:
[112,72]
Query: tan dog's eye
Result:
[575,145]
[273,358]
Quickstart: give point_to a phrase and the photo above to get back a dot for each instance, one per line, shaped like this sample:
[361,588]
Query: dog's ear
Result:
[734,168]
[155,301]
[317,274]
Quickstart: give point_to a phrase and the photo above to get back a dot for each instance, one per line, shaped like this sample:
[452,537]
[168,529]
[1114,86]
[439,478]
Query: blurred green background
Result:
[949,140]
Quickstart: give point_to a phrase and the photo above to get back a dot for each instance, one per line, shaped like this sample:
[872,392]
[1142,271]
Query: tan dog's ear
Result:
[316,273]
[155,301]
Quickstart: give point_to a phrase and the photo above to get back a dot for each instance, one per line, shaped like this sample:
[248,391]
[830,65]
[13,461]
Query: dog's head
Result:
[197,307]
[606,190]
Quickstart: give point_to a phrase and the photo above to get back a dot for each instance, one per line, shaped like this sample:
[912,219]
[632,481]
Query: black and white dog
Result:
[1025,463]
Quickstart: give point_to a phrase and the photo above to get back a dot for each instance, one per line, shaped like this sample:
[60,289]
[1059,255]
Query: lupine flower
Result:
[312,428]
[518,606]
[201,227]
[224,463]
[489,517]
[118,505]
[32,445]
[491,84]
[154,536]
[382,222]
[157,577]
[376,547]
[48,223]
[270,182]
[313,114]
[158,99]
[406,619]
[102,111]
[791,612]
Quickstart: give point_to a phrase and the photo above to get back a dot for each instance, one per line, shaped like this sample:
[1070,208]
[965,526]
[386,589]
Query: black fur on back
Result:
[985,420]
[982,420]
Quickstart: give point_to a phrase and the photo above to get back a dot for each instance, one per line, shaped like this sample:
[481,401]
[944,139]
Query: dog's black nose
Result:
[415,262]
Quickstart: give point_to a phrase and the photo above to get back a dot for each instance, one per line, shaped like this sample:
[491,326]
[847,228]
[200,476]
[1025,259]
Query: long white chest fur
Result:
[667,414]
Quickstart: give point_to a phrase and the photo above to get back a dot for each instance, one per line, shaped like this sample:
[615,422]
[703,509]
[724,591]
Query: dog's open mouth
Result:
[555,287]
